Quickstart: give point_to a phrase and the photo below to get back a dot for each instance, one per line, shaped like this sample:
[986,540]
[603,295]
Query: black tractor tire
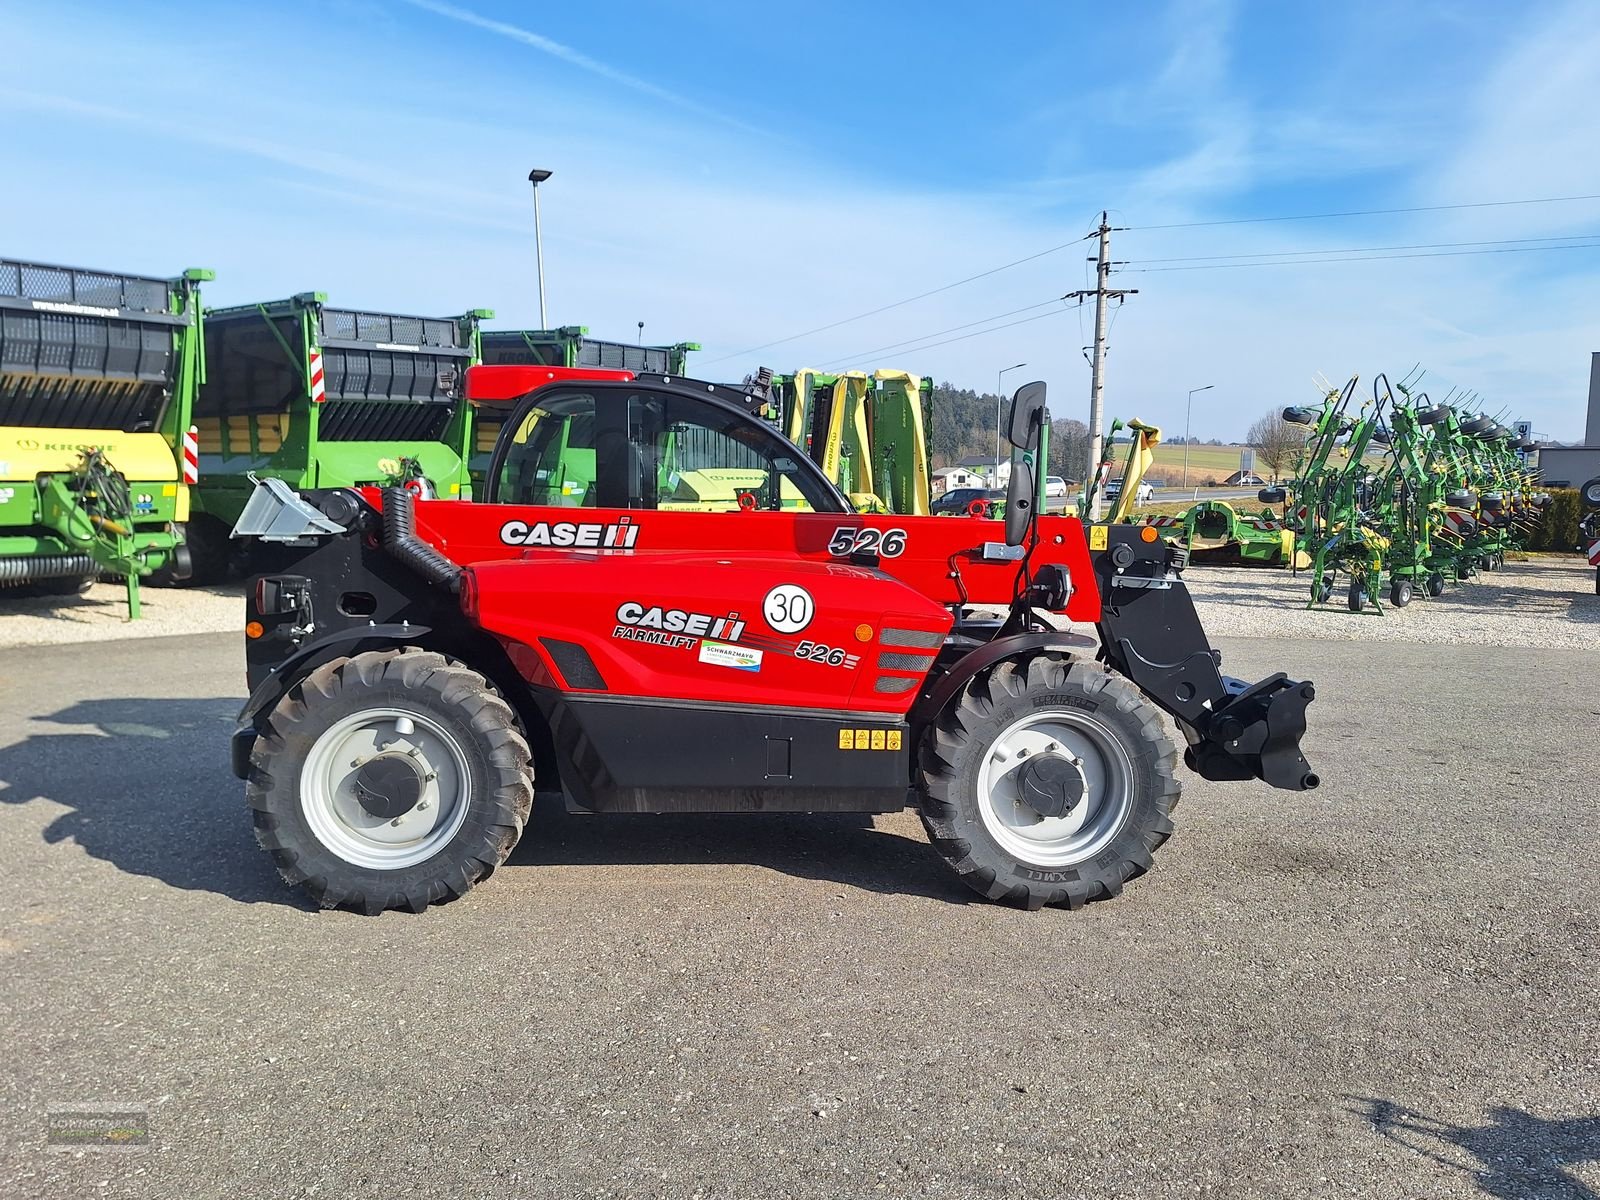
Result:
[1590,492]
[1323,591]
[1125,748]
[1356,598]
[433,690]
[1435,585]
[1400,592]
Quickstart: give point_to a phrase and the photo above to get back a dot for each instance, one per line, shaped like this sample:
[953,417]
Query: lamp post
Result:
[999,404]
[1188,405]
[536,177]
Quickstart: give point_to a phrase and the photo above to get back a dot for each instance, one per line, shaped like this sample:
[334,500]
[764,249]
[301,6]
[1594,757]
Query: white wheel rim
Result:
[1075,836]
[337,819]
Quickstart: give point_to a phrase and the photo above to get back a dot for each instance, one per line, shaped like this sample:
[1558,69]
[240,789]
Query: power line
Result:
[1579,237]
[1302,262]
[794,337]
[1369,212]
[941,332]
[978,333]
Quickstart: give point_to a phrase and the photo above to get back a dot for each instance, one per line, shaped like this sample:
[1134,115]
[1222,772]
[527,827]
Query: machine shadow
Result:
[1518,1155]
[841,848]
[147,788]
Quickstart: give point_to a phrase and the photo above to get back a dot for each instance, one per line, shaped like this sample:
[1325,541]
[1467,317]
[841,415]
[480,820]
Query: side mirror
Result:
[1027,418]
[1020,491]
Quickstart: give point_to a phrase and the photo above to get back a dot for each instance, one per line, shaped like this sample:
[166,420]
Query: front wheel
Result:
[394,779]
[1048,781]
[1400,592]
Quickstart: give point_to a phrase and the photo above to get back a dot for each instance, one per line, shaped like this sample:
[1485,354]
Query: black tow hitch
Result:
[1150,632]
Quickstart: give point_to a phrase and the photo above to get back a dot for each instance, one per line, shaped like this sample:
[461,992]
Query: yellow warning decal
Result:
[1097,537]
[871,739]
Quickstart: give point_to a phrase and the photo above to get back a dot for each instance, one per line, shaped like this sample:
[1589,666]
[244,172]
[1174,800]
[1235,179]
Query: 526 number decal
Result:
[852,539]
[833,656]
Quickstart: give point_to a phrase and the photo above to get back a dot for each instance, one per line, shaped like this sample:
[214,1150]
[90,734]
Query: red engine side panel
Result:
[718,628]
[941,558]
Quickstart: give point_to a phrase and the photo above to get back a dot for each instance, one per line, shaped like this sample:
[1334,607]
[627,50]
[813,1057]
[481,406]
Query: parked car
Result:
[1054,487]
[1145,491]
[958,500]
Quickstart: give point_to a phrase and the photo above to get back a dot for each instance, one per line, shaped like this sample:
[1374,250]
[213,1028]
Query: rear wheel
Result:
[1356,597]
[1048,781]
[209,553]
[1436,584]
[394,779]
[1400,592]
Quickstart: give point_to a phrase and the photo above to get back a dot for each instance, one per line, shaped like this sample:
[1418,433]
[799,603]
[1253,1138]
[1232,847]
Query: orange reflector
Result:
[863,633]
[1148,533]
[254,630]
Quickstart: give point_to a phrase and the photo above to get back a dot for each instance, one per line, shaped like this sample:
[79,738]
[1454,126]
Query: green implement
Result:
[324,397]
[98,376]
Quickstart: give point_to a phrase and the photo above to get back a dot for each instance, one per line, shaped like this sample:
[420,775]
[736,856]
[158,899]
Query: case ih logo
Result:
[570,533]
[673,626]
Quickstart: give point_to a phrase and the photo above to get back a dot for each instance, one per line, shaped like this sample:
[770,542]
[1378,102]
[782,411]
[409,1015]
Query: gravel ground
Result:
[101,615]
[1382,989]
[1548,601]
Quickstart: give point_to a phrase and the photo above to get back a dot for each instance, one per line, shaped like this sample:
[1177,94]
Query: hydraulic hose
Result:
[401,542]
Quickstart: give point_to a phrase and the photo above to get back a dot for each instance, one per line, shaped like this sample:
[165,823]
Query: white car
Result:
[1143,493]
[1054,487]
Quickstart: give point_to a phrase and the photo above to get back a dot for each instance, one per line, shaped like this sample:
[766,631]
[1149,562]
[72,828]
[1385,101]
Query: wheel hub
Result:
[1052,784]
[388,785]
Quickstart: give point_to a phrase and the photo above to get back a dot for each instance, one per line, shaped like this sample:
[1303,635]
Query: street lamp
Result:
[1189,404]
[999,402]
[536,177]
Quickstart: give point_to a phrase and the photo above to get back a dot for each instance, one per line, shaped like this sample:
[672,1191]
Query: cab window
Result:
[689,455]
[551,458]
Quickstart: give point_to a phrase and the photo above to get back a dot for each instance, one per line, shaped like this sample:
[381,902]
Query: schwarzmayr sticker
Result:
[721,654]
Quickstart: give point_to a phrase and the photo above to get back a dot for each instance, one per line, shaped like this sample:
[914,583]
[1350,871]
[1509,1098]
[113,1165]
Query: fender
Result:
[295,668]
[928,707]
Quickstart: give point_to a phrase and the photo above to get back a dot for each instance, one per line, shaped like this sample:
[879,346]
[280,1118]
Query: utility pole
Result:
[1097,364]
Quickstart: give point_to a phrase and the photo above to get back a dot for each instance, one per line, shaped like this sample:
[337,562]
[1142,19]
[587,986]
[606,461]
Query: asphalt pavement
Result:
[1384,988]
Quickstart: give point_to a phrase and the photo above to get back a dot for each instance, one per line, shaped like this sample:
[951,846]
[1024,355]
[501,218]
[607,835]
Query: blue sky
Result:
[736,174]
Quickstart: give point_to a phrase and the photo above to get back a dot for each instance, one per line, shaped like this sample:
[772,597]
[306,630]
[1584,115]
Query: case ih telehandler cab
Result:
[662,605]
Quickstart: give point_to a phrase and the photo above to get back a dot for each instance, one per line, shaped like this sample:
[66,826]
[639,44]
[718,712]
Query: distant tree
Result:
[1069,449]
[1276,441]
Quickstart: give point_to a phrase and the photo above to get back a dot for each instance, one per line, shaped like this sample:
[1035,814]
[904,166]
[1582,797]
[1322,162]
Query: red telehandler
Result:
[662,605]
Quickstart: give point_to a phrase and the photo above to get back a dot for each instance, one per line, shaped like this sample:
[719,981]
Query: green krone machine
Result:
[568,346]
[327,397]
[98,375]
[868,433]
